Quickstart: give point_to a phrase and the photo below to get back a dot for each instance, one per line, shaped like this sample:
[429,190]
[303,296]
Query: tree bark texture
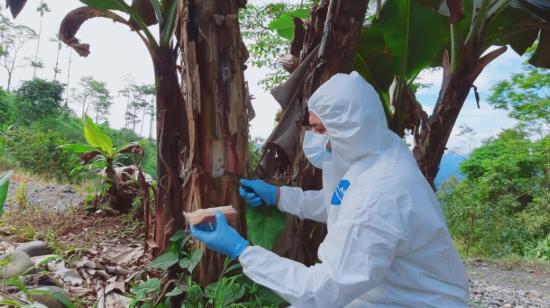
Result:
[217,105]
[173,149]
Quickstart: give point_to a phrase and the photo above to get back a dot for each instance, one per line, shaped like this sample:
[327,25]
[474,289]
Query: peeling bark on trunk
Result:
[331,36]
[217,107]
[172,142]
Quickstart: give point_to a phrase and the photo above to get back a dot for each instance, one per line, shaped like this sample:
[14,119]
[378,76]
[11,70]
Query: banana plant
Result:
[100,149]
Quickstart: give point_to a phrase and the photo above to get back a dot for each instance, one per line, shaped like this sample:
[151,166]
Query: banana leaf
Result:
[4,184]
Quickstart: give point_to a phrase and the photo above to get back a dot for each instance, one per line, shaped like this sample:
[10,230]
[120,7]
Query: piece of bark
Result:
[205,216]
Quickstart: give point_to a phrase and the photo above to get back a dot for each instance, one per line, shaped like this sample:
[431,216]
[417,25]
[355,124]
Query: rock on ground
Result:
[483,294]
[35,248]
[20,262]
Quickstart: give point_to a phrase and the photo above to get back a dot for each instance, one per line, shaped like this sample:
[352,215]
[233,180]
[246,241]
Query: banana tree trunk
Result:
[217,104]
[172,143]
[431,140]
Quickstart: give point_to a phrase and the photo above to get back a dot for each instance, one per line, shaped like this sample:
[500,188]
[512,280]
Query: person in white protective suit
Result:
[387,244]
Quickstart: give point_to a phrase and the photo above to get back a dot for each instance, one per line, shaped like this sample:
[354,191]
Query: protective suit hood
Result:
[352,113]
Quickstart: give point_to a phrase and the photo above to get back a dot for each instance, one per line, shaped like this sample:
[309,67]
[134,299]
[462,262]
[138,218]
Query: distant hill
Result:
[449,167]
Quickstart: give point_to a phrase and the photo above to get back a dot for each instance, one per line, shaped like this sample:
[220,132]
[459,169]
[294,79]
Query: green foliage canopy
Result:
[526,95]
[503,205]
[38,99]
[267,30]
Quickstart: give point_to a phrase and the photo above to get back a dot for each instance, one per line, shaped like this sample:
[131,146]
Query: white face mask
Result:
[315,148]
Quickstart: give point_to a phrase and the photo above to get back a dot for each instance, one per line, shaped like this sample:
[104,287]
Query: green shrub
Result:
[542,250]
[7,108]
[150,158]
[232,289]
[35,151]
[21,196]
[502,207]
[38,99]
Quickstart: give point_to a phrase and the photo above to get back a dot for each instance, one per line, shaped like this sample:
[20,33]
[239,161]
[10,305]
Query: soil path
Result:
[509,285]
[40,193]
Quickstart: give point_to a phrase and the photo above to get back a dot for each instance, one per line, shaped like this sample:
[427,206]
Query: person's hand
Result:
[223,239]
[258,192]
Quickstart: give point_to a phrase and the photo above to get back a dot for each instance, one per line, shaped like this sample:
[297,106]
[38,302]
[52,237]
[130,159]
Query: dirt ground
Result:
[509,284]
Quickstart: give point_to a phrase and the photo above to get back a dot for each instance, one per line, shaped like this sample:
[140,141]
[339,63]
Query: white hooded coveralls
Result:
[387,244]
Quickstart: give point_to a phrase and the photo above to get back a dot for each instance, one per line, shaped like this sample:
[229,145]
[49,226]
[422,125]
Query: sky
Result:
[117,53]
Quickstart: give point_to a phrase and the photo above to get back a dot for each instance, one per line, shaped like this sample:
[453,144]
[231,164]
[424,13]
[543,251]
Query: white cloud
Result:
[499,69]
[485,121]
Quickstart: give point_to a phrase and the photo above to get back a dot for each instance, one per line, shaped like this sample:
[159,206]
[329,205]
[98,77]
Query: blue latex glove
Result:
[258,192]
[223,239]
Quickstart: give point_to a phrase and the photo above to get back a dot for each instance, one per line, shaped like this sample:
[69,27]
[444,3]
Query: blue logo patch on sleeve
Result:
[338,194]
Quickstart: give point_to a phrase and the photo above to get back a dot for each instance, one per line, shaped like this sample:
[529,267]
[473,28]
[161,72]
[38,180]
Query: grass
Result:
[38,223]
[68,229]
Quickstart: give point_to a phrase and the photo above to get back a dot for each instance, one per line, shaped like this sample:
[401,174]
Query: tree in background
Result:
[38,124]
[265,46]
[149,90]
[127,93]
[469,134]
[39,98]
[83,95]
[147,93]
[140,101]
[56,69]
[527,96]
[36,63]
[93,93]
[12,39]
[68,79]
[502,206]
[7,110]
[102,102]
[137,103]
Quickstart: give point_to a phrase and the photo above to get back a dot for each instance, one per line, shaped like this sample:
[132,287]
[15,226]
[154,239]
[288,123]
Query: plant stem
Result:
[139,21]
[478,22]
